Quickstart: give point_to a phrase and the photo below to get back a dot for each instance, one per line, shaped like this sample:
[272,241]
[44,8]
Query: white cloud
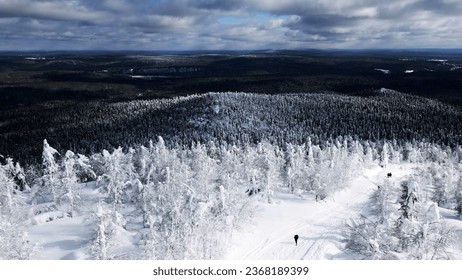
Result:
[180,24]
[51,10]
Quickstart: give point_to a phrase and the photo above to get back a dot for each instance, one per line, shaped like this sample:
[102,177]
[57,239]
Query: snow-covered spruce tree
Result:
[48,189]
[434,237]
[14,242]
[296,168]
[198,205]
[115,176]
[161,200]
[443,183]
[98,249]
[368,158]
[142,163]
[369,238]
[336,167]
[372,236]
[234,182]
[83,169]
[70,198]
[253,171]
[407,228]
[458,197]
[384,156]
[412,153]
[17,173]
[6,191]
[271,161]
[149,235]
[192,200]
[381,203]
[109,228]
[355,159]
[20,178]
[421,234]
[408,199]
[395,152]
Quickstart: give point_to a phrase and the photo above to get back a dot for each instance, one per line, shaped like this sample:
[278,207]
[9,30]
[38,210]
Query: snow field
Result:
[320,225]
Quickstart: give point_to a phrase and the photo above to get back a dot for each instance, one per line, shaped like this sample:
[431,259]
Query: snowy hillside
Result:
[247,194]
[231,203]
[322,226]
[234,118]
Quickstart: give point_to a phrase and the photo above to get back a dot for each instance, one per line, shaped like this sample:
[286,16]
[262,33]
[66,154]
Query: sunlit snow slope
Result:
[320,225]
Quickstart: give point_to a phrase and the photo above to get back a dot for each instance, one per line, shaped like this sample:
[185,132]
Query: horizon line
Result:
[459,49]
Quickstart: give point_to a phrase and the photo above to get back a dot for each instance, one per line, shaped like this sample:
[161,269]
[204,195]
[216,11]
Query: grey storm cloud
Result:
[51,10]
[238,24]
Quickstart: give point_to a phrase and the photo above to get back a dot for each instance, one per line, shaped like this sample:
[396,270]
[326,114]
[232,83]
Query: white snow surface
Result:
[319,224]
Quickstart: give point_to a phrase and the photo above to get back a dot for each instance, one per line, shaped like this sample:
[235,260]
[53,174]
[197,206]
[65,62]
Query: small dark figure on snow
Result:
[296,239]
[389,175]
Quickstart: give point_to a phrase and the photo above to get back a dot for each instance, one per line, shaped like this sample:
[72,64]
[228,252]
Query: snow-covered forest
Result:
[179,199]
[229,117]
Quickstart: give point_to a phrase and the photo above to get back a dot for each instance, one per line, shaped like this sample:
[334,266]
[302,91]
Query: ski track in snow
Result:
[319,225]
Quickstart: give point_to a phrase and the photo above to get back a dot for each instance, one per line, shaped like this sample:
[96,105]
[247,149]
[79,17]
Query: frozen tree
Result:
[310,155]
[408,200]
[98,249]
[372,236]
[83,169]
[14,242]
[381,203]
[6,192]
[49,188]
[368,156]
[271,162]
[369,238]
[70,198]
[433,237]
[20,178]
[16,172]
[458,197]
[318,187]
[384,157]
[412,153]
[409,229]
[109,226]
[444,184]
[143,163]
[395,152]
[115,179]
[296,168]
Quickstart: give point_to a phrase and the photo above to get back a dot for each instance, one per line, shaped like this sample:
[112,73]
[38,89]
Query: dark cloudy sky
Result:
[221,24]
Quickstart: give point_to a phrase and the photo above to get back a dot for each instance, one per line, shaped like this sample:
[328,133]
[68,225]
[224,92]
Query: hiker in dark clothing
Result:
[296,239]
